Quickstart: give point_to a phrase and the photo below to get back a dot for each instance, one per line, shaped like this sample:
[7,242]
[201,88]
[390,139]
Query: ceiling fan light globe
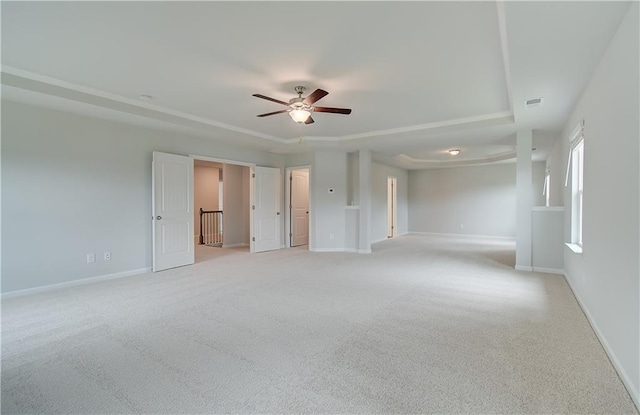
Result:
[299,116]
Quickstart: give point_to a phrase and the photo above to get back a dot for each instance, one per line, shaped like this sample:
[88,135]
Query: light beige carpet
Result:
[422,325]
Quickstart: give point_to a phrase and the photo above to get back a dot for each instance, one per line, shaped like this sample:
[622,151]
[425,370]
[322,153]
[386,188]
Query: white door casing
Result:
[392,203]
[172,211]
[266,215]
[299,207]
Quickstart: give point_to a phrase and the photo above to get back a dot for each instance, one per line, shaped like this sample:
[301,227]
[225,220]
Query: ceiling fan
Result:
[300,109]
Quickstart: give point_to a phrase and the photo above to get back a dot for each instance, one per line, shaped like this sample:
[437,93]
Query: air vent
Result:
[531,103]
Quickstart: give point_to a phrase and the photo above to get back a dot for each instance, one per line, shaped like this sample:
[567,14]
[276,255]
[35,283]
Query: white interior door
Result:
[299,207]
[172,195]
[266,214]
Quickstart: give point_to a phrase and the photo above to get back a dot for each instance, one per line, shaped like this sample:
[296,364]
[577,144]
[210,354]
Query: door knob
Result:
[278,213]
[158,217]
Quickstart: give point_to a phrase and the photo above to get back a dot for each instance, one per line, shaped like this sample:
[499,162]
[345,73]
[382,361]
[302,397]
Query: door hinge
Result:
[253,175]
[253,239]
[253,207]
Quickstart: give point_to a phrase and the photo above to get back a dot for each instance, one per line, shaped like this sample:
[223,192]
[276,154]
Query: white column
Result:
[523,200]
[364,242]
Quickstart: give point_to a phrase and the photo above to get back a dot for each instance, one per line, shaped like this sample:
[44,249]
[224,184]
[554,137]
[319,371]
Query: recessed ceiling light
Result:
[145,97]
[454,152]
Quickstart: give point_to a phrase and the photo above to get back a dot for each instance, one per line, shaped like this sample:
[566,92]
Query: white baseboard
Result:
[357,251]
[234,245]
[328,250]
[463,235]
[549,270]
[523,268]
[387,238]
[83,281]
[380,240]
[626,379]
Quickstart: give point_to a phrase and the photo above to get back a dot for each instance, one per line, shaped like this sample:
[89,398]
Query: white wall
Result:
[235,195]
[380,173]
[524,198]
[606,276]
[327,213]
[537,183]
[353,179]
[73,185]
[547,239]
[205,193]
[299,159]
[481,198]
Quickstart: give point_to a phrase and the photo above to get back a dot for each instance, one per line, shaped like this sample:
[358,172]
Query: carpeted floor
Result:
[424,324]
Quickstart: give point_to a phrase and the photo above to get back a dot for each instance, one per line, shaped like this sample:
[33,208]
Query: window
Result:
[545,189]
[575,166]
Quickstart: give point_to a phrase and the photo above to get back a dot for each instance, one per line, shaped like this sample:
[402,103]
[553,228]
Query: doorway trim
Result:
[392,207]
[287,204]
[221,160]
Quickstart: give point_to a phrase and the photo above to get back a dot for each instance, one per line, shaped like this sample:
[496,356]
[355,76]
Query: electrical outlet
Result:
[331,236]
[91,258]
[107,256]
[461,226]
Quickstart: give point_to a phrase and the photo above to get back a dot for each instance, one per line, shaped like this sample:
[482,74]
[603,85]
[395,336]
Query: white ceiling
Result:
[421,77]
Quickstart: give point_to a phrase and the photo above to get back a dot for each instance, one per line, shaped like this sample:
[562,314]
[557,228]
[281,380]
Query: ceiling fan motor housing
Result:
[296,103]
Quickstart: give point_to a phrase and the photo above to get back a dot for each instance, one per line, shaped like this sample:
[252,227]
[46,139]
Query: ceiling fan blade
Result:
[271,99]
[271,113]
[309,120]
[345,111]
[317,95]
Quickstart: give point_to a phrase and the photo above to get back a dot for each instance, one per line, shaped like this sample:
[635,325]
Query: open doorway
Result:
[221,208]
[208,203]
[297,192]
[392,211]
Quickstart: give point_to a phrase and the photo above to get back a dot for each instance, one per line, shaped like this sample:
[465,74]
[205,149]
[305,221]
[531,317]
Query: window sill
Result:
[577,249]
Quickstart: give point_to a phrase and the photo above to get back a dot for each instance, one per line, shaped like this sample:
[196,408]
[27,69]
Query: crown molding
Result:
[498,118]
[39,83]
[23,79]
[425,163]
